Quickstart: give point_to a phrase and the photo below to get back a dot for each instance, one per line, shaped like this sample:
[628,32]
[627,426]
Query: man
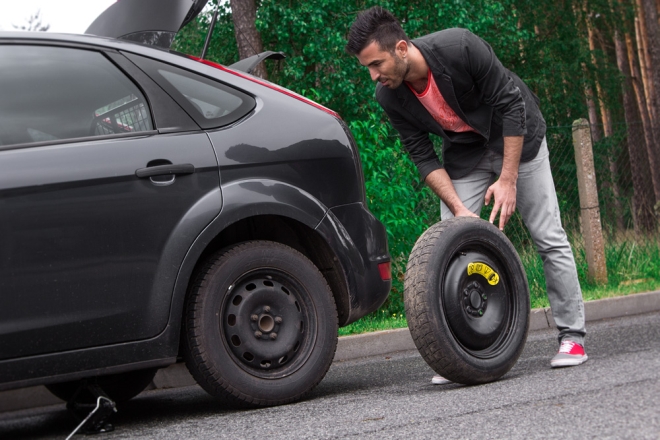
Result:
[450,83]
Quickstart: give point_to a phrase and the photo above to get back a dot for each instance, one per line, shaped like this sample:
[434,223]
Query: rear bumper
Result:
[359,241]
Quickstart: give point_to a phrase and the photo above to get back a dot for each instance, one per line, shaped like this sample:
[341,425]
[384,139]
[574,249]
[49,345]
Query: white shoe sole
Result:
[569,362]
[439,380]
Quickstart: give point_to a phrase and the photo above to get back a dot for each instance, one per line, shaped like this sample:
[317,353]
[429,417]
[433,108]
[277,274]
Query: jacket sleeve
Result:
[497,87]
[416,142]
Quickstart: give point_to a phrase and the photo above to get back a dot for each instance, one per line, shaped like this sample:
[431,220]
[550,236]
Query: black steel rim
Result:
[478,299]
[269,323]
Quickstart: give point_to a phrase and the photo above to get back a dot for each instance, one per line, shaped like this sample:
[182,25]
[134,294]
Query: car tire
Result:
[118,387]
[467,300]
[260,325]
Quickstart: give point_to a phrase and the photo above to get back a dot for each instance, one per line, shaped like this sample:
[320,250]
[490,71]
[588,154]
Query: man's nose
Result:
[374,74]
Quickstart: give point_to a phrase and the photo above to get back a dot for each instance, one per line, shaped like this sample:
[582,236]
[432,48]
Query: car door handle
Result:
[165,170]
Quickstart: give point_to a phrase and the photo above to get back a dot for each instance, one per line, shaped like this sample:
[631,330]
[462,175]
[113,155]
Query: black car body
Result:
[126,172]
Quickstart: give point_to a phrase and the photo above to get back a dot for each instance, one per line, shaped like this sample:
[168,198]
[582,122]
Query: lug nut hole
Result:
[231,320]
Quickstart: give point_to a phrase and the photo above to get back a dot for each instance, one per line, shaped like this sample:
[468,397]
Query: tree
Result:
[34,23]
[244,15]
[650,13]
[642,199]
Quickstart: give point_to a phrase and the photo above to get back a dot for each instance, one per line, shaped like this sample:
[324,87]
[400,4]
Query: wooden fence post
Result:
[589,207]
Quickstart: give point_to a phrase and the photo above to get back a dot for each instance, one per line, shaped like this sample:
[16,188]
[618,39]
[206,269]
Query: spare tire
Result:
[467,300]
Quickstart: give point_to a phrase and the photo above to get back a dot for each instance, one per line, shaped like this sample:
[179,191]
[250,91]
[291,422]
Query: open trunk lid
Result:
[151,22]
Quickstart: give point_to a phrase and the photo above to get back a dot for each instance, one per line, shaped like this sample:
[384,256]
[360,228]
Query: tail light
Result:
[385,270]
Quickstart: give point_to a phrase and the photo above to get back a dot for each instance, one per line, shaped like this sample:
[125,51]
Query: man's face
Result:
[387,68]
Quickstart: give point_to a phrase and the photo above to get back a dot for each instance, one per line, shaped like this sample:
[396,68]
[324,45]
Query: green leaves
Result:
[391,180]
[542,41]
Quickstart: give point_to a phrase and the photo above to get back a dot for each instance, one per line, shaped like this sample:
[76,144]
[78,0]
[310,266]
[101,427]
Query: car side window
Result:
[211,103]
[58,93]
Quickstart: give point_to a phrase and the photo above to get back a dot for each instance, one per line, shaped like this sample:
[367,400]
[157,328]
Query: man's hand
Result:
[504,192]
[439,181]
[462,211]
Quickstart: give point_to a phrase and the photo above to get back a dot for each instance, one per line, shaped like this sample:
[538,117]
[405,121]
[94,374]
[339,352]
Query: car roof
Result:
[77,39]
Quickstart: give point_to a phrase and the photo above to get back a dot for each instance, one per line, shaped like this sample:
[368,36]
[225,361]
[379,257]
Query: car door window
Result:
[211,103]
[57,93]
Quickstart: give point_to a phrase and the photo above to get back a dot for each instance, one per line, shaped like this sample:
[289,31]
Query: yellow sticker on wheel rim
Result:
[485,271]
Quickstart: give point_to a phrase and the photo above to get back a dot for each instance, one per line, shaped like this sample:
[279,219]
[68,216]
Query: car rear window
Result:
[211,103]
[58,93]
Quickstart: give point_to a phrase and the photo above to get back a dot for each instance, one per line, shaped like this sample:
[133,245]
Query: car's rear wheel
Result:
[467,300]
[260,325]
[118,387]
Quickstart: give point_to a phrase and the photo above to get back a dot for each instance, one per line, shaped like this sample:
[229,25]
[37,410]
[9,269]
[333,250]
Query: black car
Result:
[156,208]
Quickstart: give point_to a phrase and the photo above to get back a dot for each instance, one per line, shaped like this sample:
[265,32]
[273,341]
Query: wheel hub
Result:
[263,322]
[475,299]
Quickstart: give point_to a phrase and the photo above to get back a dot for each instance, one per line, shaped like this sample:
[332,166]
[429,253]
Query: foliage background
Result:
[543,41]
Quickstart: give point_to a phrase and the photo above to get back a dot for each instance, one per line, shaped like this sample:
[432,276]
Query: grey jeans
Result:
[537,202]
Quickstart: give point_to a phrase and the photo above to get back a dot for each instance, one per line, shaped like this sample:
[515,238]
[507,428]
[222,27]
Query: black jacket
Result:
[490,98]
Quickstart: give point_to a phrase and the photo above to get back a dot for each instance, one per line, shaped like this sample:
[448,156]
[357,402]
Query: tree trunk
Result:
[643,217]
[653,45]
[593,113]
[644,58]
[248,40]
[647,125]
[613,154]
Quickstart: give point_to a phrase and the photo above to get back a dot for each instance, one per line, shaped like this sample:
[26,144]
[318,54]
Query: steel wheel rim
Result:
[480,314]
[268,324]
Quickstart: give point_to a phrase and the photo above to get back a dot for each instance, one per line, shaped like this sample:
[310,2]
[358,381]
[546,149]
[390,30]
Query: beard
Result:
[401,69]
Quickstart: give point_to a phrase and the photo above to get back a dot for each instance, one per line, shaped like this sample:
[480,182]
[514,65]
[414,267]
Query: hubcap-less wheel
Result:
[467,300]
[267,323]
[260,326]
[477,301]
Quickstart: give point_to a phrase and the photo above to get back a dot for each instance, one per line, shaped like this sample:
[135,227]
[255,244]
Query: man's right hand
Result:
[440,182]
[464,212]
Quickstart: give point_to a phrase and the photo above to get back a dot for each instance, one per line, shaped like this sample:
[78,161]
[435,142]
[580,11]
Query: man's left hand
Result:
[504,192]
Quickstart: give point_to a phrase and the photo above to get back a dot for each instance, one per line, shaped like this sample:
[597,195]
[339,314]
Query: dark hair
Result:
[375,24]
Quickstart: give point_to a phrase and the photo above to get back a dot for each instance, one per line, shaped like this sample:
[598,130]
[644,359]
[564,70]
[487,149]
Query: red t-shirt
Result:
[433,101]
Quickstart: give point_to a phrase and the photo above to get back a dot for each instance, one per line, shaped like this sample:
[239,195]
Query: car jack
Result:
[94,417]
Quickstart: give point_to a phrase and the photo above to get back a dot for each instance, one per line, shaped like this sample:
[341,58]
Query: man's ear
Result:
[401,48]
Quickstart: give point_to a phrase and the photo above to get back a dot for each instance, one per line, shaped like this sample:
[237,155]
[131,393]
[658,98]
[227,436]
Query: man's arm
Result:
[495,84]
[440,182]
[504,189]
[421,151]
[500,92]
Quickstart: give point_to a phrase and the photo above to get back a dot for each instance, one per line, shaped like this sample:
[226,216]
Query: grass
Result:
[633,266]
[374,322]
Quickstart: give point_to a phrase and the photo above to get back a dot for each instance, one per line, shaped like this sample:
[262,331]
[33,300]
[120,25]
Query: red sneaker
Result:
[570,354]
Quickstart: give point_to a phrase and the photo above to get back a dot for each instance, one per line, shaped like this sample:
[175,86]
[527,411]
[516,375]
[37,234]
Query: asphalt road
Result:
[616,394]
